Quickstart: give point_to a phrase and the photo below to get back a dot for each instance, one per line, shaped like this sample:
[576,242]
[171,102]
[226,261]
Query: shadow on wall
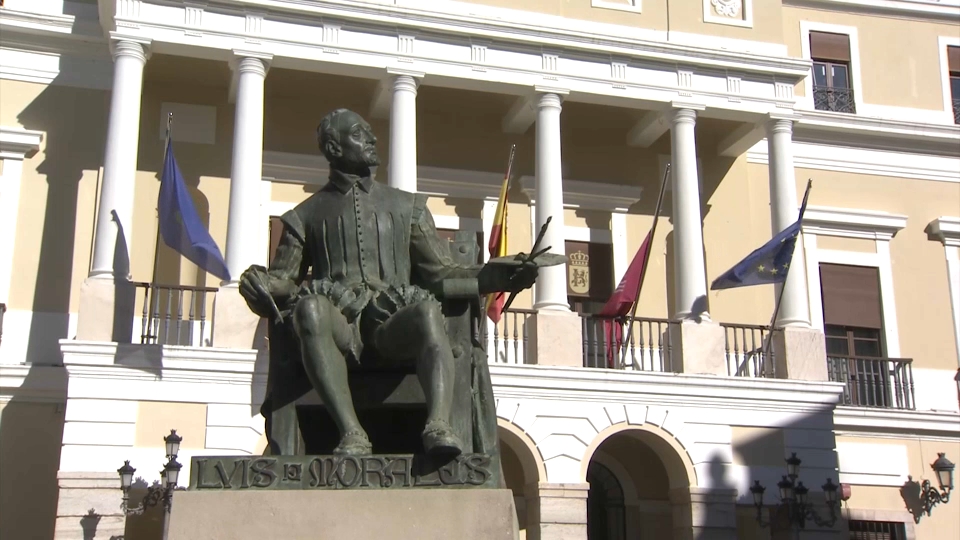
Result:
[73,121]
[30,435]
[910,492]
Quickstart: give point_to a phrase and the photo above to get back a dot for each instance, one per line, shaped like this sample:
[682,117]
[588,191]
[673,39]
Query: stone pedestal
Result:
[697,348]
[106,310]
[234,325]
[467,514]
[89,506]
[556,338]
[704,513]
[557,511]
[800,353]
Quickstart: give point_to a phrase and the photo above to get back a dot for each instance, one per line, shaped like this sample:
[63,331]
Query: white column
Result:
[689,269]
[402,171]
[551,290]
[247,165]
[111,246]
[794,308]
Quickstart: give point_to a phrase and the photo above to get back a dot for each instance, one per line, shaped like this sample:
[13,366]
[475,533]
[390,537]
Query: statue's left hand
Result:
[507,278]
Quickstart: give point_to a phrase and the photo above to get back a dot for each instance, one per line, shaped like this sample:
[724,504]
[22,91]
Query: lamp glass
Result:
[830,491]
[126,475]
[172,473]
[786,489]
[801,491]
[944,469]
[172,442]
[793,465]
[757,491]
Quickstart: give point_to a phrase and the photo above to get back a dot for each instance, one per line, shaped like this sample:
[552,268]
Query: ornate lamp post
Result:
[155,494]
[930,497]
[793,498]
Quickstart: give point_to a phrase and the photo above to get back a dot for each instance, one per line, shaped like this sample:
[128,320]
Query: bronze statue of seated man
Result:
[378,267]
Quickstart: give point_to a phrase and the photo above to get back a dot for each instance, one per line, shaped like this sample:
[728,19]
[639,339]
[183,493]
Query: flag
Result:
[622,299]
[180,226]
[767,264]
[498,248]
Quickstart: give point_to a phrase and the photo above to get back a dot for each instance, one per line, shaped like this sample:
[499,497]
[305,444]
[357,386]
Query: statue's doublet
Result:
[373,249]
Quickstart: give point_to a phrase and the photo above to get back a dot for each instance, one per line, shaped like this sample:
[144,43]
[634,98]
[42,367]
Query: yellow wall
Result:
[899,57]
[944,521]
[920,280]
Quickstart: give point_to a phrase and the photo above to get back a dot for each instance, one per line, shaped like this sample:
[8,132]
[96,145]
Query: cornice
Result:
[32,383]
[946,229]
[520,29]
[925,9]
[896,135]
[15,143]
[672,389]
[852,223]
[591,195]
[890,421]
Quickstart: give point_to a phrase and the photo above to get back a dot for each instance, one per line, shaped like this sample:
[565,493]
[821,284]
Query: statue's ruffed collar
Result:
[344,181]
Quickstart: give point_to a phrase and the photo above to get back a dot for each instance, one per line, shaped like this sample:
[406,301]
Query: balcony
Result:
[174,315]
[885,383]
[828,98]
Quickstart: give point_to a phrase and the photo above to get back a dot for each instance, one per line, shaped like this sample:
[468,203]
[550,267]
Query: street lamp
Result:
[930,497]
[155,494]
[793,498]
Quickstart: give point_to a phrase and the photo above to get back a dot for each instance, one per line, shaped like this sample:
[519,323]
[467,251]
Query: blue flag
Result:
[180,226]
[767,264]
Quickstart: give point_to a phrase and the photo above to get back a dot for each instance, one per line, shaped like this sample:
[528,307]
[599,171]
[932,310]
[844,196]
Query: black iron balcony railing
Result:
[874,382]
[749,351]
[608,343]
[507,343]
[827,98]
[175,315]
[956,111]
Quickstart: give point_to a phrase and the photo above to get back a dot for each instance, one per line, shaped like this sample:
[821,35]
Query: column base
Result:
[107,308]
[558,511]
[697,348]
[556,339]
[234,325]
[800,353]
[704,513]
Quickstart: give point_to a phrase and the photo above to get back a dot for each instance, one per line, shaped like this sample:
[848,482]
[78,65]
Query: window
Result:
[832,90]
[877,530]
[589,276]
[953,60]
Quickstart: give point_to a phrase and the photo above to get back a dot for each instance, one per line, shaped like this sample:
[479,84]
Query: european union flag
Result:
[180,226]
[767,264]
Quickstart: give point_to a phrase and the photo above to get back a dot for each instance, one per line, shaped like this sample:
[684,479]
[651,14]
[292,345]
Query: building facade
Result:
[109,340]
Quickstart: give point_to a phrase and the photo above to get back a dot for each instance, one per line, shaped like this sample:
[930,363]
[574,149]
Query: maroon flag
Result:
[622,299]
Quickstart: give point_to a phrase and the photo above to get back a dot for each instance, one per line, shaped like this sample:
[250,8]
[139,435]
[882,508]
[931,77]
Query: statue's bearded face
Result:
[357,141]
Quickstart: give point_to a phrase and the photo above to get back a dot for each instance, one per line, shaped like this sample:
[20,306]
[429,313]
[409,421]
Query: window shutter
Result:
[851,296]
[828,46]
[953,58]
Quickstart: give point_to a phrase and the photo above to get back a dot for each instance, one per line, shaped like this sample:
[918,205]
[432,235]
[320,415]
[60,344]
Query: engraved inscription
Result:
[338,472]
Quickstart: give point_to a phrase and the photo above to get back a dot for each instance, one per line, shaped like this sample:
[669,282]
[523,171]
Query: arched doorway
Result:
[631,474]
[522,470]
[605,506]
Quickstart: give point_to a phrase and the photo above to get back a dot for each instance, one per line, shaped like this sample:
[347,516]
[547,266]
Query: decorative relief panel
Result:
[405,46]
[478,56]
[193,18]
[729,12]
[549,62]
[331,36]
[733,88]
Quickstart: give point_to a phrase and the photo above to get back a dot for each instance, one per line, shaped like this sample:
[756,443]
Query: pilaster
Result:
[557,511]
[551,290]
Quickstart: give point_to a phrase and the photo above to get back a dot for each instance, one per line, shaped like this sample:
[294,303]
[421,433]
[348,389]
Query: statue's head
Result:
[348,142]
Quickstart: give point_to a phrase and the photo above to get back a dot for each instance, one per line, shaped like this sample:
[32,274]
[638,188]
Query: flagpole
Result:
[646,259]
[783,286]
[156,245]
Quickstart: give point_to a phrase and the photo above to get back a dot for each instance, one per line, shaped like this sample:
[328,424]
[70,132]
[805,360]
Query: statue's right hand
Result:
[255,289]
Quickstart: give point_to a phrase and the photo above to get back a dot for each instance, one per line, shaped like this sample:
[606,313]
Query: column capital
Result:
[776,124]
[549,101]
[134,47]
[251,62]
[405,83]
[683,113]
[408,72]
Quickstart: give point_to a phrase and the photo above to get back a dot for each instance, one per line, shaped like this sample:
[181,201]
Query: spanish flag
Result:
[498,241]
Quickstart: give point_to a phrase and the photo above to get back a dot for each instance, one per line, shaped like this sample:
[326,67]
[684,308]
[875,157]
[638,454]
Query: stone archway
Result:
[606,514]
[523,469]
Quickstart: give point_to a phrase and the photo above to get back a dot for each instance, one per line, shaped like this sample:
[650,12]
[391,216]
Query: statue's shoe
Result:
[440,440]
[354,443]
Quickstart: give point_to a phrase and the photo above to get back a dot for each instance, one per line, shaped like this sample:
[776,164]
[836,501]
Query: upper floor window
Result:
[852,314]
[953,60]
[832,89]
[877,530]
